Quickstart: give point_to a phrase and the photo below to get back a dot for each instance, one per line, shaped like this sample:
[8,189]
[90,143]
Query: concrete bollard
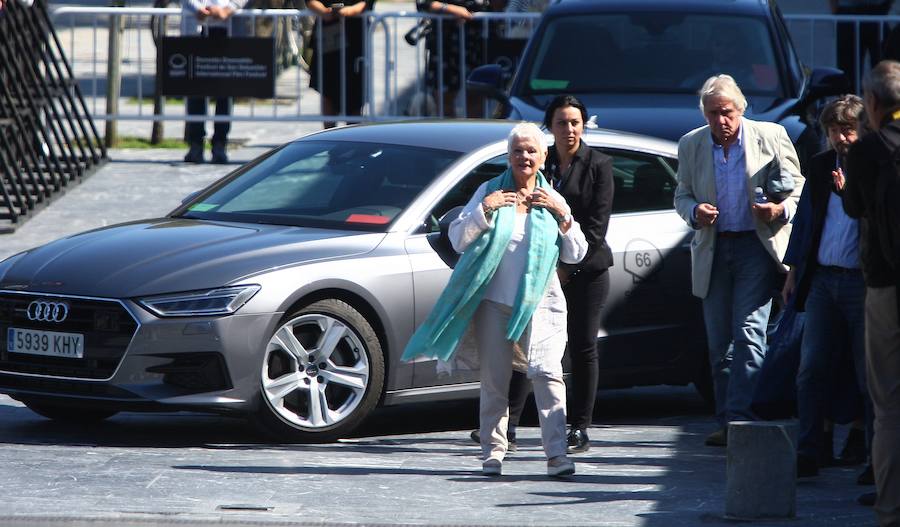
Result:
[762,470]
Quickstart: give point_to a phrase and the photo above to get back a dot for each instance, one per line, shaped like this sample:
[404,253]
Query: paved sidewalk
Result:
[410,466]
[135,184]
[153,470]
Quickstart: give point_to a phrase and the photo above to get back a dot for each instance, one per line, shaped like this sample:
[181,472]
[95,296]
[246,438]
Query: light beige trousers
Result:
[497,356]
[883,378]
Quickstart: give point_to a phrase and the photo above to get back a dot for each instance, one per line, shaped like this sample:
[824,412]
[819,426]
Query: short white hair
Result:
[722,85]
[526,130]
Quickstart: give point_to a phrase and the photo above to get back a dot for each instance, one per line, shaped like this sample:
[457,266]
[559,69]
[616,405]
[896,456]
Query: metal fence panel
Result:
[394,62]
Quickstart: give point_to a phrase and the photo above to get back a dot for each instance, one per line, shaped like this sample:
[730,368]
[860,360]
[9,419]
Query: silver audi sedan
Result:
[286,291]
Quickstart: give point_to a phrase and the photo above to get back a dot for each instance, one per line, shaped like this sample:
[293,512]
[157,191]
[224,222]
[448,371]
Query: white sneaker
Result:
[492,467]
[560,466]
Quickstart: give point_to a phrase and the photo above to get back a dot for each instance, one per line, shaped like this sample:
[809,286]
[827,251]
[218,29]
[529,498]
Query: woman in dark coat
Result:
[328,33]
[448,63]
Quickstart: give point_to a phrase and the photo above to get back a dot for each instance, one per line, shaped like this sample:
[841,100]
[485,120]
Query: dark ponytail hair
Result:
[564,101]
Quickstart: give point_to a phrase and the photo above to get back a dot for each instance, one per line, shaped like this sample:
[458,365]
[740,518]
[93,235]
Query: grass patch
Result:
[174,101]
[142,142]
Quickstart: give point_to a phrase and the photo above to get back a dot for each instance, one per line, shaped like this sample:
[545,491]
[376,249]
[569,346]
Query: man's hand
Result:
[351,10]
[789,285]
[220,13]
[706,214]
[202,13]
[768,212]
[838,177]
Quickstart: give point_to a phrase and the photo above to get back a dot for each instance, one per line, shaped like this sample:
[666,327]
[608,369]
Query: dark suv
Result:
[638,64]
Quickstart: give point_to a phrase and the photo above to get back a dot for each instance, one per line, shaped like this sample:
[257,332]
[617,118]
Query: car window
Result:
[652,53]
[793,62]
[643,182]
[460,194]
[361,186]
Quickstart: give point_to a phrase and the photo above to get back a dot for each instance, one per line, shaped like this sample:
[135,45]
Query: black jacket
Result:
[588,189]
[860,198]
[816,193]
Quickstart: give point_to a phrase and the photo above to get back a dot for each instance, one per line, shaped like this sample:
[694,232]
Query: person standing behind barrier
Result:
[208,19]
[443,54]
[830,289]
[870,196]
[738,243]
[340,26]
[853,45]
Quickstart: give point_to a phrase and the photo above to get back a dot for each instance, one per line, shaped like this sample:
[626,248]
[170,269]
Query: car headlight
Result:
[222,301]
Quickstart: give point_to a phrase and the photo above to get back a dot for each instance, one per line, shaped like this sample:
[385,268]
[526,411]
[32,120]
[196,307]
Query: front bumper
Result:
[138,362]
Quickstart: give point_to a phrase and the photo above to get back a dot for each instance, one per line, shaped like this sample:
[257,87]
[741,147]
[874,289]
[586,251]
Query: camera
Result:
[424,26]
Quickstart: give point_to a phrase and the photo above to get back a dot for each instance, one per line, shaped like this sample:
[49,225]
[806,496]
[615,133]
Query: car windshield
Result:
[652,53]
[345,185]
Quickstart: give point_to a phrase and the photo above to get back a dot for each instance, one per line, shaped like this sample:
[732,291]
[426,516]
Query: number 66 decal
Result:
[642,259]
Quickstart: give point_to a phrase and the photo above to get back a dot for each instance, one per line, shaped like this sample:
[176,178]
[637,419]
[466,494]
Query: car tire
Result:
[321,375]
[68,414]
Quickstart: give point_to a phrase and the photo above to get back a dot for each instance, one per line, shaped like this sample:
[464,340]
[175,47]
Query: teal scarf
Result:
[439,335]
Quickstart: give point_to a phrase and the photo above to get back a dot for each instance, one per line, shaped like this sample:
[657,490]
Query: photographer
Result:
[447,56]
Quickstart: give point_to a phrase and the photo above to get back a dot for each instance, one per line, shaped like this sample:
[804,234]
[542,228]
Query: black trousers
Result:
[586,295]
[196,131]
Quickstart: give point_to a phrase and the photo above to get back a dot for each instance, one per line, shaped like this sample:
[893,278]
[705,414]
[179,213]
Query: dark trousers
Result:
[835,324]
[851,59]
[585,294]
[196,131]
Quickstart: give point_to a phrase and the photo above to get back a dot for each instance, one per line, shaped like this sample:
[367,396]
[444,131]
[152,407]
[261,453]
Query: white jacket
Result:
[546,335]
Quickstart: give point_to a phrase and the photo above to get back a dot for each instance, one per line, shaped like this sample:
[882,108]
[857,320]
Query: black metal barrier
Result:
[47,137]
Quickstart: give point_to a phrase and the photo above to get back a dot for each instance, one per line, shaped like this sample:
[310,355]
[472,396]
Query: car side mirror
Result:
[440,241]
[825,82]
[488,81]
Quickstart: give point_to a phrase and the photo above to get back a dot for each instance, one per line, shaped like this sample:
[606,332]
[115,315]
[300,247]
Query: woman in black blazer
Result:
[584,177]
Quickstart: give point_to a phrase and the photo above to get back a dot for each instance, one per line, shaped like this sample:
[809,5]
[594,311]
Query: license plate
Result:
[49,343]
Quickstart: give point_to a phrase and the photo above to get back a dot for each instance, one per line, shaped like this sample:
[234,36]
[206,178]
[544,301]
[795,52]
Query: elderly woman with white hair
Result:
[511,234]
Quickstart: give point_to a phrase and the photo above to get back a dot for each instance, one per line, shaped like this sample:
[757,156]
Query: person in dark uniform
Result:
[444,51]
[854,40]
[339,27]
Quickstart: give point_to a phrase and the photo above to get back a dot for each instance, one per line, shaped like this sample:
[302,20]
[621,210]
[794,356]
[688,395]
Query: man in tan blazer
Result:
[738,242]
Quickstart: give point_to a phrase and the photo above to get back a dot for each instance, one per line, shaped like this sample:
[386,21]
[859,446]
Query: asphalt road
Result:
[407,465]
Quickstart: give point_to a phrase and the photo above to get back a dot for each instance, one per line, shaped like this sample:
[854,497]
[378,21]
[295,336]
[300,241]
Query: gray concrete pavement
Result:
[409,466]
[135,184]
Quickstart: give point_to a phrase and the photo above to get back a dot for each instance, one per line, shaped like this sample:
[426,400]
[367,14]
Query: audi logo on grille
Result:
[42,311]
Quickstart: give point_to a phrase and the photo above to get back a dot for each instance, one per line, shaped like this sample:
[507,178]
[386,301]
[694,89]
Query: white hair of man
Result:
[722,86]
[526,130]
[883,83]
